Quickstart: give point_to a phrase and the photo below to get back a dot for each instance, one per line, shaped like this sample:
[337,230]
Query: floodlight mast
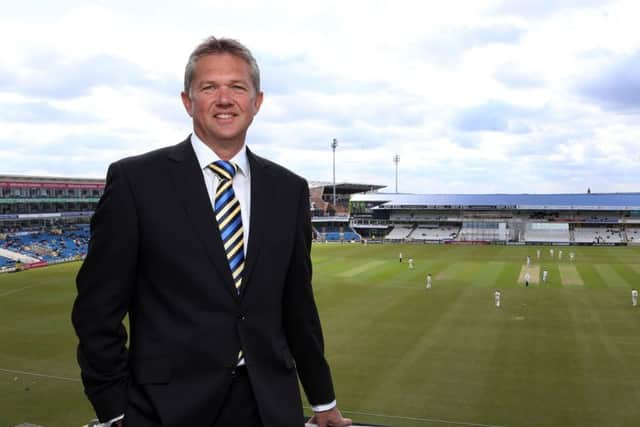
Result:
[396,160]
[334,144]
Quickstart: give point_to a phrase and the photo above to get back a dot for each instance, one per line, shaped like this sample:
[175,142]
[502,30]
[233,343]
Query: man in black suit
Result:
[218,335]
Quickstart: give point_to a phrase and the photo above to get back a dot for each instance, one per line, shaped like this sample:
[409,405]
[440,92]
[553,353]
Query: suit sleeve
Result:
[302,323]
[105,282]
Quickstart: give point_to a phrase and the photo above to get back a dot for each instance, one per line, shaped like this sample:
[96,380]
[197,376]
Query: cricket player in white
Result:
[545,275]
[634,297]
[527,277]
[400,257]
[411,263]
[551,252]
[572,256]
[497,295]
[429,281]
[528,261]
[559,254]
[538,254]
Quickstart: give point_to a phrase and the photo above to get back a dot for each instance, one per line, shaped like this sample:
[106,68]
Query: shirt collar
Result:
[206,155]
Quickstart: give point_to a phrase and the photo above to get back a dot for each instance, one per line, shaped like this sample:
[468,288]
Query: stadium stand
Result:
[399,233]
[6,262]
[50,246]
[477,231]
[547,233]
[504,218]
[434,234]
[598,235]
[44,219]
[334,229]
[632,235]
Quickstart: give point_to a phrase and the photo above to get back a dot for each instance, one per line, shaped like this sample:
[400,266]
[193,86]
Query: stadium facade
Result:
[45,219]
[603,218]
[32,202]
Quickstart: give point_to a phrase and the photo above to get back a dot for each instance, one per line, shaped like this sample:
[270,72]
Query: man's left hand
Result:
[330,418]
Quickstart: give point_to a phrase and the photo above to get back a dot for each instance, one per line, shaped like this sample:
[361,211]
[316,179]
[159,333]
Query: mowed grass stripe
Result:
[532,364]
[630,276]
[487,274]
[384,326]
[483,274]
[362,268]
[439,350]
[613,279]
[569,276]
[635,267]
[603,358]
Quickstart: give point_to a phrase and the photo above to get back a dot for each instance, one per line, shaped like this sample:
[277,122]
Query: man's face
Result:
[222,101]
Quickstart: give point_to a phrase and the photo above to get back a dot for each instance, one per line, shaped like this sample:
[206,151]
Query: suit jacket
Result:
[155,254]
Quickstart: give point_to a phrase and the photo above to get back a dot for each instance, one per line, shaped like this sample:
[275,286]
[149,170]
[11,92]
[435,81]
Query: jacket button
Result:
[240,316]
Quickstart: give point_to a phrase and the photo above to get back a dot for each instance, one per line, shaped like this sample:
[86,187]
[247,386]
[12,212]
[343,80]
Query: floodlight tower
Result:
[396,160]
[334,144]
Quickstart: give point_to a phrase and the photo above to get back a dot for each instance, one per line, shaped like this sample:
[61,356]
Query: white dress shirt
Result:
[241,181]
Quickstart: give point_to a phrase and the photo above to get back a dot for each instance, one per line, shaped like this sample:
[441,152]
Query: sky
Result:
[482,96]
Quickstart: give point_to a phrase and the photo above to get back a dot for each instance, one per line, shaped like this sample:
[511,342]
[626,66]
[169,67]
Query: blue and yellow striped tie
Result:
[227,210]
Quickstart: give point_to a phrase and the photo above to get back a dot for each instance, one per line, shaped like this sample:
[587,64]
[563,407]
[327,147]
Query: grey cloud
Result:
[282,76]
[367,111]
[39,113]
[171,110]
[511,75]
[616,86]
[302,134]
[542,9]
[363,138]
[61,164]
[73,155]
[448,46]
[494,116]
[69,80]
[464,140]
[57,166]
[505,34]
[86,144]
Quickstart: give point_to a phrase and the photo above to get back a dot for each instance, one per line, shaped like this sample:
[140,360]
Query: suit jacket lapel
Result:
[259,195]
[192,192]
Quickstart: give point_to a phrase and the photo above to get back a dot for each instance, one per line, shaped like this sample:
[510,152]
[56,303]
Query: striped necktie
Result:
[227,210]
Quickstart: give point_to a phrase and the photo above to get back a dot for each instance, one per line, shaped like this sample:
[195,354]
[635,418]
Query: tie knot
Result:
[224,169]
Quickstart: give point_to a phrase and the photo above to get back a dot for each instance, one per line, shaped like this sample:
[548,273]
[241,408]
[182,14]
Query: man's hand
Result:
[330,418]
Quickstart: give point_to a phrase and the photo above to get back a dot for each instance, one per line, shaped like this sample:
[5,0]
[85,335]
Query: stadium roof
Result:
[346,187]
[583,201]
[37,179]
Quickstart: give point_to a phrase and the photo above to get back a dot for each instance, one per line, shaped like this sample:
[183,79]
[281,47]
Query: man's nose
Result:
[223,96]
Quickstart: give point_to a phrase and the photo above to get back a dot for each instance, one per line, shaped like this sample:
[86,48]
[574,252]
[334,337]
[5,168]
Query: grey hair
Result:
[214,46]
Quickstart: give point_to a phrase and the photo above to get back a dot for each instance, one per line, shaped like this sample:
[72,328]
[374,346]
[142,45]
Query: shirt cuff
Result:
[110,422]
[324,407]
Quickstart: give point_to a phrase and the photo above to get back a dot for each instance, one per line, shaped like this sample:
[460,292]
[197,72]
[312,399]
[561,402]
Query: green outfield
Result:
[562,353]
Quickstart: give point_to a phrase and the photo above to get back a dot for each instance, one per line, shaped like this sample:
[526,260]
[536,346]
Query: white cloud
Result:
[475,97]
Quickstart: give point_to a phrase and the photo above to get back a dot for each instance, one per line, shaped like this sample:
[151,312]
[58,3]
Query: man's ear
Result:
[258,101]
[186,101]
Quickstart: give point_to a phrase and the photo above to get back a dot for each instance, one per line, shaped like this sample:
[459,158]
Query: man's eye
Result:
[238,87]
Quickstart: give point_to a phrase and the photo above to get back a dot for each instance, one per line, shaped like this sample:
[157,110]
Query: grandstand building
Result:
[44,219]
[31,202]
[331,220]
[562,219]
